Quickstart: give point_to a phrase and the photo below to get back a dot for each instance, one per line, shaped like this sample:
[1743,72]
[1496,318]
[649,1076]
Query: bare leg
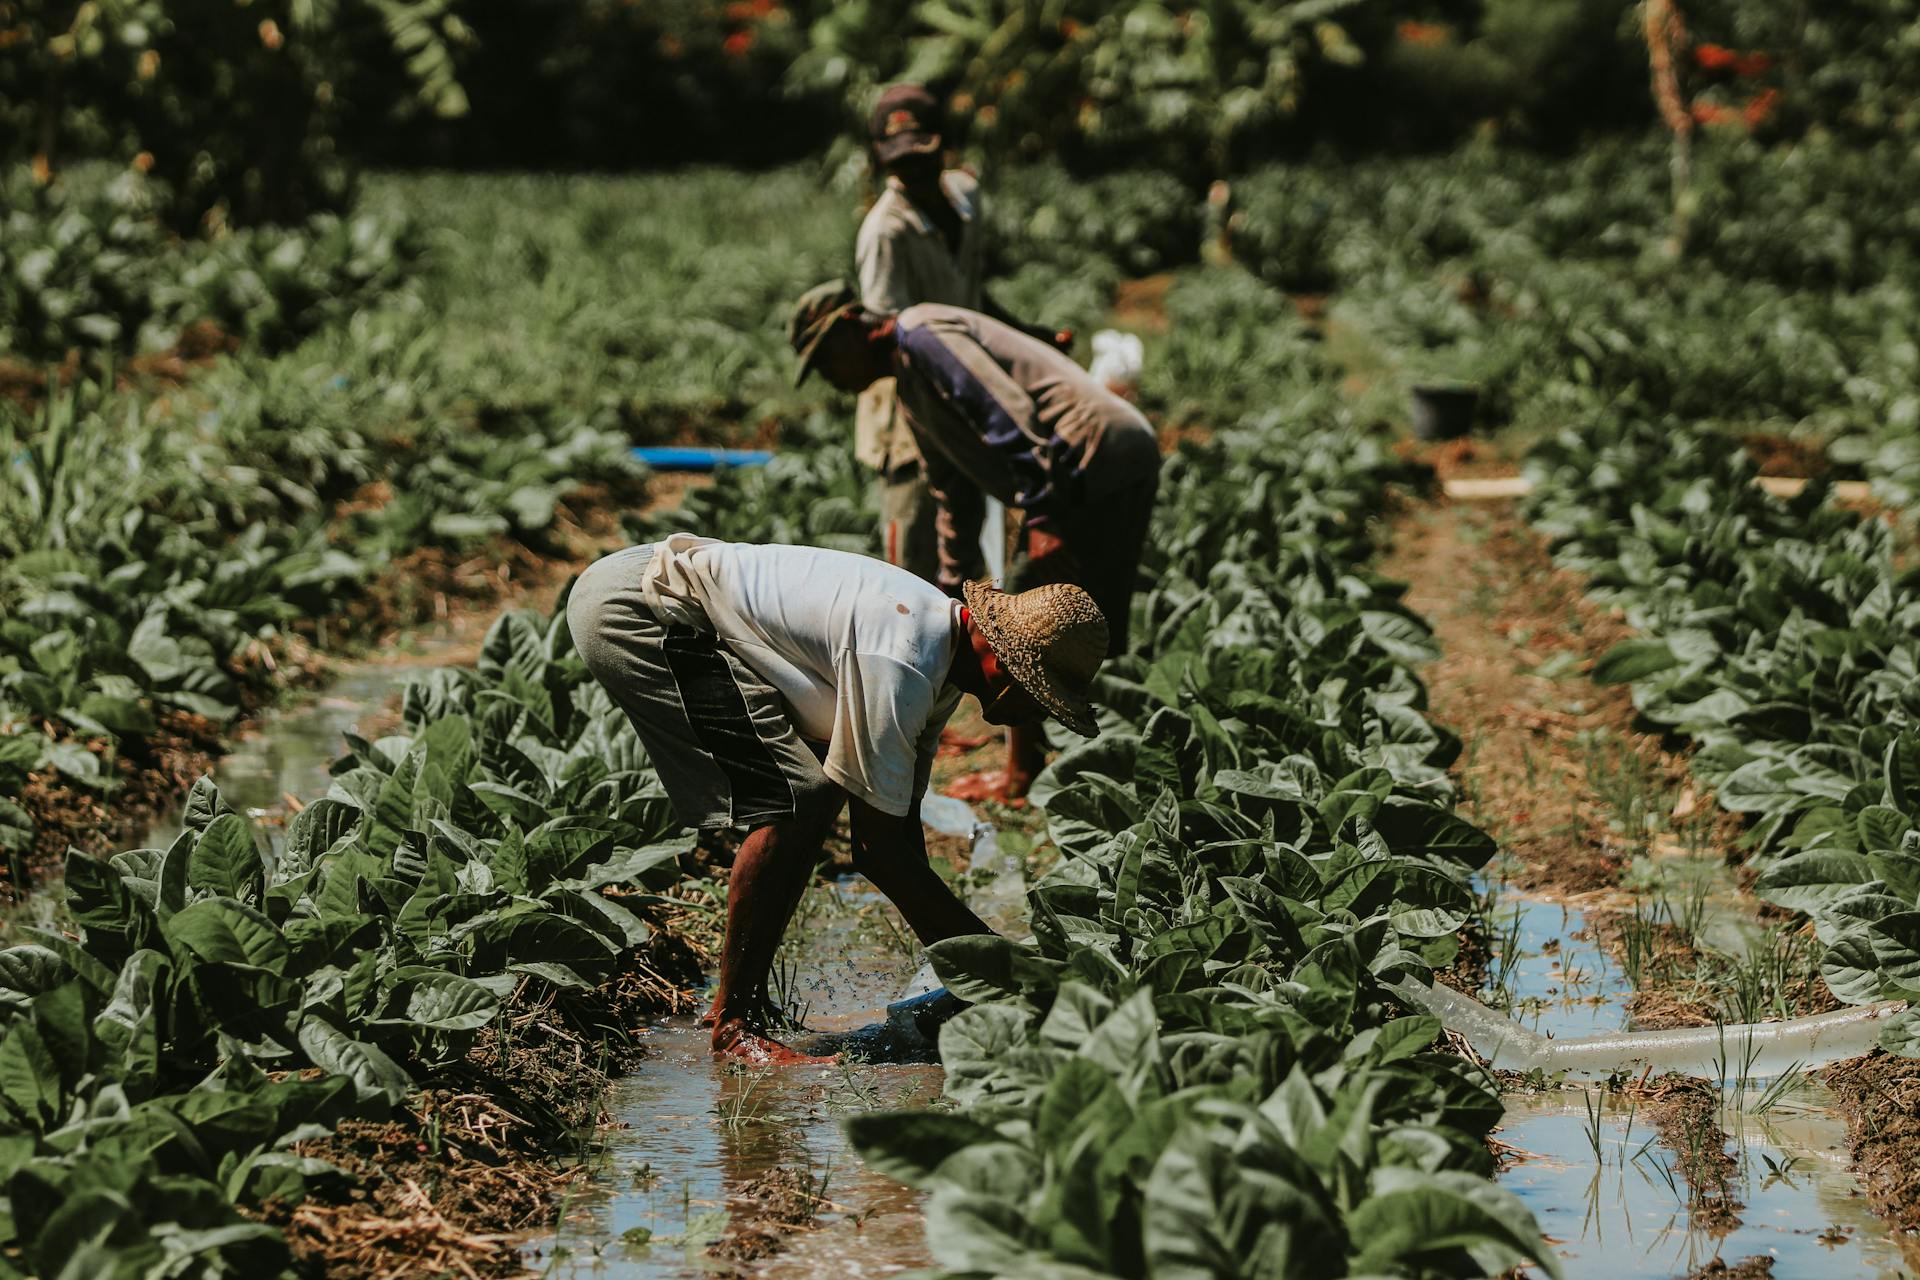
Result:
[770,874]
[1026,757]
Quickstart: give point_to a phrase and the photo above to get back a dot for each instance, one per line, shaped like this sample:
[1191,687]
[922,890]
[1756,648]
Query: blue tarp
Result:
[679,458]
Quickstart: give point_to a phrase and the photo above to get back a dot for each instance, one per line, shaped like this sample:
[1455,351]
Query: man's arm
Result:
[962,511]
[892,852]
[882,290]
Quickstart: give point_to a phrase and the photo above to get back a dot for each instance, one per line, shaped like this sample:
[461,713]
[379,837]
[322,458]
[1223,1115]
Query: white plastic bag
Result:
[1117,358]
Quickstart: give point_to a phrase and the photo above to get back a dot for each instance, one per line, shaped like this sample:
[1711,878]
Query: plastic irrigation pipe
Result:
[1752,1050]
[679,458]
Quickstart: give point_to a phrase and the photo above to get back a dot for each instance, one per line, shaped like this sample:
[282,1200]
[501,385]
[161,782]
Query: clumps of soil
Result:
[431,1195]
[151,776]
[1779,455]
[763,1213]
[1686,1113]
[1758,1267]
[477,1158]
[1465,458]
[1880,1096]
[28,384]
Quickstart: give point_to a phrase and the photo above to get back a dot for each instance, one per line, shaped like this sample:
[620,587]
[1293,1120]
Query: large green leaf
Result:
[373,1073]
[225,931]
[1414,1217]
[225,860]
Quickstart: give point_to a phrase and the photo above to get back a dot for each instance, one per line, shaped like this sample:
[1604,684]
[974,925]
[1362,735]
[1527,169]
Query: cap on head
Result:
[907,120]
[815,313]
[1051,640]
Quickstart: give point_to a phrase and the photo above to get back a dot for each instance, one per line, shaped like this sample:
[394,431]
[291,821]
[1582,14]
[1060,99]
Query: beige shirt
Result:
[1001,413]
[902,259]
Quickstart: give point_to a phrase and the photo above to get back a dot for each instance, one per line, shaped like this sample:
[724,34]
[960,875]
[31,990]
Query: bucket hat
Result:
[815,314]
[1051,640]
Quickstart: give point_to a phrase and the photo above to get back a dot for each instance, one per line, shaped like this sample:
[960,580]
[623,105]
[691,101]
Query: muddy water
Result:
[1623,1215]
[289,752]
[1611,1197]
[1550,974]
[692,1131]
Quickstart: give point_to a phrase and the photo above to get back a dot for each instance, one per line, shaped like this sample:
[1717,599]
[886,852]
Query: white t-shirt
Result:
[858,649]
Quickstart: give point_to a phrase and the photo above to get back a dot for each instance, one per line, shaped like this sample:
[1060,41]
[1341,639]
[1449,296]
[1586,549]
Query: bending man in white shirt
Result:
[773,685]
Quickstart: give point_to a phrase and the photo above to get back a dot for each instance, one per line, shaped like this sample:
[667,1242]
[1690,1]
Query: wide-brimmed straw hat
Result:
[1051,639]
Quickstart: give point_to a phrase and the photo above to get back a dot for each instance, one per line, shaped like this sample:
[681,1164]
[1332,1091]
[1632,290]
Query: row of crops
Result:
[1194,1069]
[1196,1065]
[1783,637]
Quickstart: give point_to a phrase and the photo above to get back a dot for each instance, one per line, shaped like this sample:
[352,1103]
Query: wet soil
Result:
[1880,1095]
[484,1150]
[1686,1113]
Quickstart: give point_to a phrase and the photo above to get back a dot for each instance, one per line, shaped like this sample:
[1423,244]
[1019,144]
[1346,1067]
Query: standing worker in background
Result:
[923,241]
[997,412]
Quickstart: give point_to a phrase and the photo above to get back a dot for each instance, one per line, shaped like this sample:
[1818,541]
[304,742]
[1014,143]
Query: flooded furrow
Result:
[1616,1199]
[691,1136]
[681,1178]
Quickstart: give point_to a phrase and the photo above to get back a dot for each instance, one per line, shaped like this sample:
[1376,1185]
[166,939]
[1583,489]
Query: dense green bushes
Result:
[217,1008]
[1781,637]
[86,265]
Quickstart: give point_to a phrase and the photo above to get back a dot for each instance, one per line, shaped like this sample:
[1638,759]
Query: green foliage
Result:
[150,1072]
[84,264]
[1142,221]
[1784,638]
[1184,89]
[231,107]
[1193,1066]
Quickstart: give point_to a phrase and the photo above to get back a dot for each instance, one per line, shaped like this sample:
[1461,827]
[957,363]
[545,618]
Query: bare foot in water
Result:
[733,1039]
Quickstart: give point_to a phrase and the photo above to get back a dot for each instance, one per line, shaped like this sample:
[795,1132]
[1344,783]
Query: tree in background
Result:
[230,107]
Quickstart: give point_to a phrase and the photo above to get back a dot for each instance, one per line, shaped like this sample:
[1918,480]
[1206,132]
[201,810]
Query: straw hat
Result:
[1051,640]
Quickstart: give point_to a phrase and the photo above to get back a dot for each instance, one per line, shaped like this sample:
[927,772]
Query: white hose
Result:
[1753,1050]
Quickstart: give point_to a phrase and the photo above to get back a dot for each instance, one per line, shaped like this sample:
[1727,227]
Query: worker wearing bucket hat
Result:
[773,686]
[998,413]
[922,241]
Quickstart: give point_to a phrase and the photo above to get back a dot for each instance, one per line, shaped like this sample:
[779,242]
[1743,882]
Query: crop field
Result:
[1500,854]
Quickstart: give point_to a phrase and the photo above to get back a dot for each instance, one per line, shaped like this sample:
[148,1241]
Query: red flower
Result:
[1754,64]
[1714,57]
[1426,33]
[737,44]
[1760,107]
[1713,113]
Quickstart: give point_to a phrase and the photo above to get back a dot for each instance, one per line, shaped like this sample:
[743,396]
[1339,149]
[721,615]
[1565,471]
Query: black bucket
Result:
[1444,411]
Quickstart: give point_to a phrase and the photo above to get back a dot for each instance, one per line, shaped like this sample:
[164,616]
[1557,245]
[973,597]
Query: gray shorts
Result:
[718,735]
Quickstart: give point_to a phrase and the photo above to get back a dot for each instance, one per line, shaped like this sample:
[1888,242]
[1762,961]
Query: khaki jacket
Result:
[902,260]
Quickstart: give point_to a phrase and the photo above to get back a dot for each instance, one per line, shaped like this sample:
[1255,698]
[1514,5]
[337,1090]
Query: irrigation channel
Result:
[1617,1191]
[711,1164]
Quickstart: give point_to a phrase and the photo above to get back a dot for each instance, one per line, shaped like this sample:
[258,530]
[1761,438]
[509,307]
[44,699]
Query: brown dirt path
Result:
[1552,760]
